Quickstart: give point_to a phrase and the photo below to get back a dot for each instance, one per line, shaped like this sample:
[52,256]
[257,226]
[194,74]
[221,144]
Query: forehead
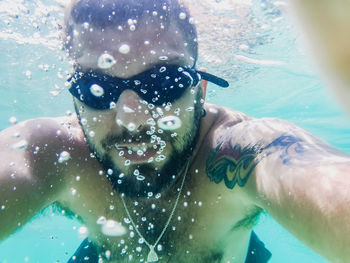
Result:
[124,51]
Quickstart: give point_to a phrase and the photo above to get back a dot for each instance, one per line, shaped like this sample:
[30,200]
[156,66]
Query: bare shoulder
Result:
[42,129]
[241,148]
[219,119]
[38,143]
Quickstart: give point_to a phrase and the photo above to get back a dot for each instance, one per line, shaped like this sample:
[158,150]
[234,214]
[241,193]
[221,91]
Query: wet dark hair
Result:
[113,13]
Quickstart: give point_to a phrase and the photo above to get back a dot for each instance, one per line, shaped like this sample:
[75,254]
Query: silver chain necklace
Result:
[152,255]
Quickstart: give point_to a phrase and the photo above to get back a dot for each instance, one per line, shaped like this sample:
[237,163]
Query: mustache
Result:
[126,137]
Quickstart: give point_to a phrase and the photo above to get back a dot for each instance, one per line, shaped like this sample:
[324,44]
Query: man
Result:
[153,172]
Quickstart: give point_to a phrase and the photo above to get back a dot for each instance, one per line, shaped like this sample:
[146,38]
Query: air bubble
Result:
[112,105]
[163,58]
[16,135]
[151,122]
[97,90]
[140,177]
[91,133]
[159,111]
[109,171]
[73,191]
[113,228]
[119,122]
[124,49]
[132,28]
[182,16]
[20,146]
[169,123]
[160,158]
[106,61]
[13,120]
[63,157]
[83,121]
[82,232]
[131,126]
[108,254]
[29,74]
[127,163]
[86,25]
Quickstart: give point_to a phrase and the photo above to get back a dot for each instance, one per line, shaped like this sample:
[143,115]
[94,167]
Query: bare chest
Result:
[199,227]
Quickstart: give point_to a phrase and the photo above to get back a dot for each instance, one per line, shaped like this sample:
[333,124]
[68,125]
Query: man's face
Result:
[141,146]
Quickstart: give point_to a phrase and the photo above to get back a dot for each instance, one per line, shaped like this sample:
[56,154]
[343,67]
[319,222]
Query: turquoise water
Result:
[271,75]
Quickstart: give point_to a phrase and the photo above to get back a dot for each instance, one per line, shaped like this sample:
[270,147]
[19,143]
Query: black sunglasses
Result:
[158,85]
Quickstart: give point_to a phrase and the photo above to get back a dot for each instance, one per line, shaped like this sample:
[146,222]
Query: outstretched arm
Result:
[301,181]
[30,175]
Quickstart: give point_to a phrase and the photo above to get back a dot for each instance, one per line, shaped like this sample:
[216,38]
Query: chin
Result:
[149,179]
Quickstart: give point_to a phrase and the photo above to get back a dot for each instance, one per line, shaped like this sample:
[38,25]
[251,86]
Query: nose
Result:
[131,113]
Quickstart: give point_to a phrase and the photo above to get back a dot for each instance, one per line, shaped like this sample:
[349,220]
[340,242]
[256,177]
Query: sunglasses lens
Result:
[166,84]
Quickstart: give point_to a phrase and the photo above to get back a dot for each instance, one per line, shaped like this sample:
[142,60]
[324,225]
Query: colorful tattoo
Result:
[234,164]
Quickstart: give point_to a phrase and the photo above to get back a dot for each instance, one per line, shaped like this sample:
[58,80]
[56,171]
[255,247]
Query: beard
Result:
[156,179]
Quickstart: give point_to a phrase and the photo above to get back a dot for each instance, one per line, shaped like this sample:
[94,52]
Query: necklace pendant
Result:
[152,255]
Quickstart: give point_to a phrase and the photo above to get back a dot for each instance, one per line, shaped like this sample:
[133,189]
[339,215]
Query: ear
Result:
[203,84]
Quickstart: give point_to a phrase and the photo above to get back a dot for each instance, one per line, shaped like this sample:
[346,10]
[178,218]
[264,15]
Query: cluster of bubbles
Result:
[110,227]
[64,157]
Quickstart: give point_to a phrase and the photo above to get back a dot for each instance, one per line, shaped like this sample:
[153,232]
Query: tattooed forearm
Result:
[234,164]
